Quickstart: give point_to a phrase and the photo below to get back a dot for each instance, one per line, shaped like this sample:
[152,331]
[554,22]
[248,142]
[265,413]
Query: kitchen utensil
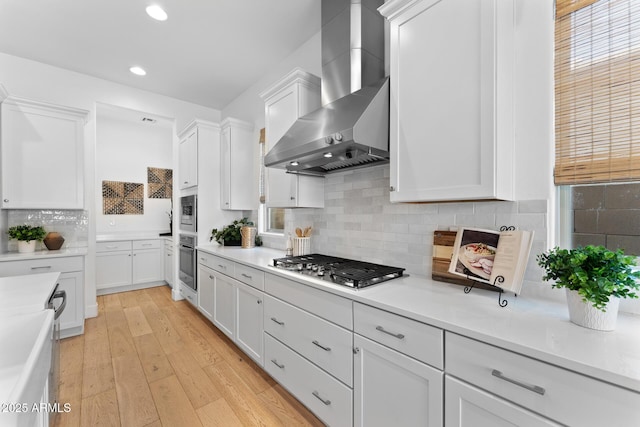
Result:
[306,232]
[299,232]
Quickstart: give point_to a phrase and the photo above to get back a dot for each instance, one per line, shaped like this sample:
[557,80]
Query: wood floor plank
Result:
[200,348]
[95,328]
[97,372]
[246,405]
[135,402]
[287,408]
[120,338]
[195,382]
[138,324]
[218,414]
[165,333]
[173,404]
[128,299]
[111,302]
[100,410]
[160,296]
[153,359]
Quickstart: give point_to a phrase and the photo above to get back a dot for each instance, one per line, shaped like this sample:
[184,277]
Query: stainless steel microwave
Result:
[188,213]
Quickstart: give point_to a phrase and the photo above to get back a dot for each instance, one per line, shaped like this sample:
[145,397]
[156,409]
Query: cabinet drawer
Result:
[249,275]
[217,263]
[190,295]
[124,245]
[44,265]
[328,306]
[325,396]
[562,395]
[325,344]
[407,336]
[147,244]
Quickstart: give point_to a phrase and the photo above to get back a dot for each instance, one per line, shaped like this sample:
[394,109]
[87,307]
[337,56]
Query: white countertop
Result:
[26,294]
[17,256]
[537,328]
[114,237]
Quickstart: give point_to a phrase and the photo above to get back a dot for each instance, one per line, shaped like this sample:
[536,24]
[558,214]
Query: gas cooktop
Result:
[341,271]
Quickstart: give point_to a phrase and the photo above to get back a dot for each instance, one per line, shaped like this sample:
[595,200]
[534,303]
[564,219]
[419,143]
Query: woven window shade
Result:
[597,75]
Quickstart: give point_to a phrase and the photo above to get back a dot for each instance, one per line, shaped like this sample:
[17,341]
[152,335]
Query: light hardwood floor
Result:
[147,360]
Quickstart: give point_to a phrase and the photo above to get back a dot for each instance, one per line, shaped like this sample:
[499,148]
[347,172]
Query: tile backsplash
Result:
[73,225]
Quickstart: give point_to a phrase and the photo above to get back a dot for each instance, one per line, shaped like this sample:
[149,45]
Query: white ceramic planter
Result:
[26,246]
[586,315]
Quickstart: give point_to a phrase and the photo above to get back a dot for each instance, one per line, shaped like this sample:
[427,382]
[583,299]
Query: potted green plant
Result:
[27,236]
[230,235]
[595,278]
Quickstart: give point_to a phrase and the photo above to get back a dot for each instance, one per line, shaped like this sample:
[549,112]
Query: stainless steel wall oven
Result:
[187,260]
[188,213]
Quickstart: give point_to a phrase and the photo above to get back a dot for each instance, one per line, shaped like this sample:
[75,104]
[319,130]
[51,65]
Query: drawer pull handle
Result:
[111,246]
[202,259]
[325,401]
[277,321]
[381,329]
[222,266]
[275,362]
[41,268]
[246,275]
[316,343]
[533,388]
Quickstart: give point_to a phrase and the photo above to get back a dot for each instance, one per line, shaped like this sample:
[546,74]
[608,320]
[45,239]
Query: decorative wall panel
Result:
[160,182]
[122,198]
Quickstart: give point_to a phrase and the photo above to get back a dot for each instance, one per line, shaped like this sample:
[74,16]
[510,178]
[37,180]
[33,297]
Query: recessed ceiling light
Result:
[156,12]
[138,71]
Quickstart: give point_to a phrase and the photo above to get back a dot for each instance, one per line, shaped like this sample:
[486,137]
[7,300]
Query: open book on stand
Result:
[498,258]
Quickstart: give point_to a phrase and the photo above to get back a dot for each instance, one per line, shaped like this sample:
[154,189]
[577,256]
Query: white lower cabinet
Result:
[234,305]
[169,260]
[393,389]
[249,325]
[325,396]
[126,262]
[71,281]
[224,304]
[468,406]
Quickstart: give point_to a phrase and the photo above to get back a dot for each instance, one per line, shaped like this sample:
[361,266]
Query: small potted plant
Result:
[595,278]
[27,236]
[230,235]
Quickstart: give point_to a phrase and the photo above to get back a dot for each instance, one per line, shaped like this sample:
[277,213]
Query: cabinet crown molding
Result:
[16,101]
[230,121]
[393,8]
[295,76]
[198,123]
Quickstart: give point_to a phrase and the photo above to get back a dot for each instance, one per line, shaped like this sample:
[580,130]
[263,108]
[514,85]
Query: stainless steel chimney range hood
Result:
[352,128]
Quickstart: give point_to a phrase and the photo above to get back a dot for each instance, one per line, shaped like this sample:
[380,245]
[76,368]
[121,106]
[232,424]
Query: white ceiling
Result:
[208,51]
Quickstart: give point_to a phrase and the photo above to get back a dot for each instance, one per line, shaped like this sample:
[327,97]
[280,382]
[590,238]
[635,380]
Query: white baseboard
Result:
[130,288]
[90,311]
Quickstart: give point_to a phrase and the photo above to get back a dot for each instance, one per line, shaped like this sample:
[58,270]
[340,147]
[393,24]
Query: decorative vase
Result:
[248,234]
[25,246]
[586,315]
[53,241]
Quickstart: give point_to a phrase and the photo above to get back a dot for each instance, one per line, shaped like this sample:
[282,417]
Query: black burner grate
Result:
[355,274]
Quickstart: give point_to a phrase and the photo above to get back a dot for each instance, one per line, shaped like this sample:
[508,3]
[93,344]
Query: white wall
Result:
[124,150]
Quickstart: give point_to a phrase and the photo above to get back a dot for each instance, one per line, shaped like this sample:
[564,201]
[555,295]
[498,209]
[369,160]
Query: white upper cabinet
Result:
[295,95]
[188,157]
[41,147]
[451,112]
[238,183]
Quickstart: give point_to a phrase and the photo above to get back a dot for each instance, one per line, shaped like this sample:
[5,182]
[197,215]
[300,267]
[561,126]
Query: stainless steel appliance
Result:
[341,271]
[54,371]
[352,128]
[188,213]
[187,260]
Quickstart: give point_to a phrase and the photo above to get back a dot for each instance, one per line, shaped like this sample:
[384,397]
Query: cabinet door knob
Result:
[6,200]
[259,301]
[392,188]
[293,198]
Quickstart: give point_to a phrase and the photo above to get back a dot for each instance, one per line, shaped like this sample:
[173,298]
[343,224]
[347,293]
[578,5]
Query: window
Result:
[270,220]
[597,80]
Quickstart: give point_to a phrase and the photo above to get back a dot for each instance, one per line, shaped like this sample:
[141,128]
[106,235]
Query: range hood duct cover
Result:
[352,128]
